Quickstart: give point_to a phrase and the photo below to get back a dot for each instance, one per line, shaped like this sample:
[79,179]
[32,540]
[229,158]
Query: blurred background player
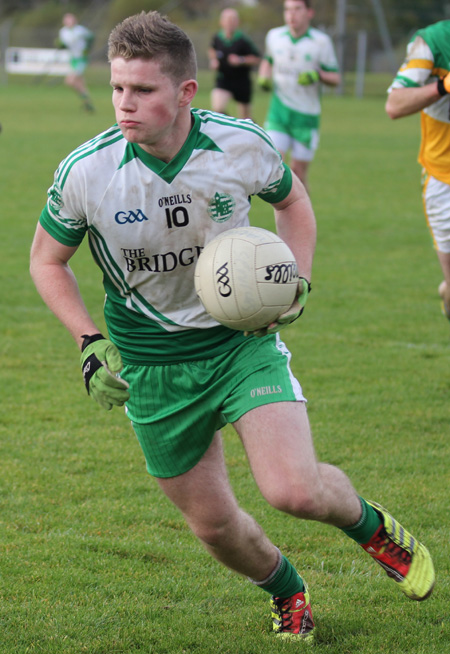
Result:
[298,58]
[78,40]
[232,54]
[423,84]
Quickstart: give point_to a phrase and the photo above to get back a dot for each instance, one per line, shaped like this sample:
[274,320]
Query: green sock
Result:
[366,526]
[284,582]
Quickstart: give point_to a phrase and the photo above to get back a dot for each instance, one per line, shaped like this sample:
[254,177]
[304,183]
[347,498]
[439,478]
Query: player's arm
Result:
[250,57]
[58,287]
[412,89]
[243,60]
[57,284]
[329,77]
[265,75]
[296,224]
[265,69]
[90,37]
[409,100]
[213,59]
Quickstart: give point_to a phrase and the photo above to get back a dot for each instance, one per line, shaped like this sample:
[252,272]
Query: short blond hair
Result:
[150,35]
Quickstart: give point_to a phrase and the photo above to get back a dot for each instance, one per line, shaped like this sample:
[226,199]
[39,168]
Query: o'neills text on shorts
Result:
[265,390]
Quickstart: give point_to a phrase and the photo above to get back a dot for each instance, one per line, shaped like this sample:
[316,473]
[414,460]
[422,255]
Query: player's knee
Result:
[212,532]
[298,501]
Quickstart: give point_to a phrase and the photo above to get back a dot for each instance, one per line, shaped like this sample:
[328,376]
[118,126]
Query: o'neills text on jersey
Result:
[179,198]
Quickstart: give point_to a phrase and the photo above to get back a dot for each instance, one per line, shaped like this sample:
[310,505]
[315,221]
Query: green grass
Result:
[92,557]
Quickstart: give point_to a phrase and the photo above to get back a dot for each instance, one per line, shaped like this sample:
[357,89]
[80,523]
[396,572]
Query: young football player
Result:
[232,54]
[299,58]
[149,194]
[78,40]
[423,84]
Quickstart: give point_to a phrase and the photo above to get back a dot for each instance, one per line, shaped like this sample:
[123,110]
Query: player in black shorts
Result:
[232,54]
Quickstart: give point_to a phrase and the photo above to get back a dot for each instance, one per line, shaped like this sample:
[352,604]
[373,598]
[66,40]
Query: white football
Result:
[246,278]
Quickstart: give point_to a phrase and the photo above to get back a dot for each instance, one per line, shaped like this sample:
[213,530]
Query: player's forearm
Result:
[300,234]
[251,60]
[265,69]
[213,59]
[330,78]
[57,286]
[407,101]
[296,225]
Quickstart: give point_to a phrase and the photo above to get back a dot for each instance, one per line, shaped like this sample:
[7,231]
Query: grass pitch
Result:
[93,558]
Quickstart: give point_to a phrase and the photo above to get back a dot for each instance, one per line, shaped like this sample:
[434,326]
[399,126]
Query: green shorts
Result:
[176,409]
[78,65]
[303,128]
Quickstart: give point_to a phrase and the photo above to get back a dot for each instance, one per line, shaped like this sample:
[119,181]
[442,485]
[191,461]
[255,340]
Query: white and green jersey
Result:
[290,56]
[77,39]
[148,222]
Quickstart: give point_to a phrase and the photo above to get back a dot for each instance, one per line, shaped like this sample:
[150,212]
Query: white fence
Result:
[37,61]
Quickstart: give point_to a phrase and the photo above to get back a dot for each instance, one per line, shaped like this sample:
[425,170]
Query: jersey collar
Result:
[236,35]
[296,39]
[196,140]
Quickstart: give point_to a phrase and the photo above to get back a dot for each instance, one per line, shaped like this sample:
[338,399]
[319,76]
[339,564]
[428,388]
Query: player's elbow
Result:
[395,105]
[392,111]
[34,267]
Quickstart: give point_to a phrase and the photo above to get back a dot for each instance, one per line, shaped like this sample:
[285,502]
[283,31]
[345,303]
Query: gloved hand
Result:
[308,77]
[443,85]
[294,311]
[264,83]
[100,363]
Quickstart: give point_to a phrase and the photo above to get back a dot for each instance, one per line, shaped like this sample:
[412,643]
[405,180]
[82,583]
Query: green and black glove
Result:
[264,83]
[308,77]
[101,363]
[294,311]
[443,85]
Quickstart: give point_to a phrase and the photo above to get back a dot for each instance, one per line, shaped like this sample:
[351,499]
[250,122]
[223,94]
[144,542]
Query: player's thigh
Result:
[301,152]
[244,111]
[281,140]
[436,200]
[300,168]
[267,409]
[203,494]
[444,260]
[174,410]
[220,99]
[278,442]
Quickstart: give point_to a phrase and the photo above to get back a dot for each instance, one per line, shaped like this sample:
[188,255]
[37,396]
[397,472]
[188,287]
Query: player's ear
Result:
[188,89]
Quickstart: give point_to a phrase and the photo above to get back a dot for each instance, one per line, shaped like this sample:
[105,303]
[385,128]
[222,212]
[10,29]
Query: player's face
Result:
[146,101]
[297,16]
[69,20]
[229,20]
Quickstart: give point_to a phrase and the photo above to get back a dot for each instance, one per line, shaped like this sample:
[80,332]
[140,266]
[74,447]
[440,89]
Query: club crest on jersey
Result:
[221,207]
[55,198]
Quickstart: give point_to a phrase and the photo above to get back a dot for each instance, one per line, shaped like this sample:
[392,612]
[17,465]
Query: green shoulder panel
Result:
[437,37]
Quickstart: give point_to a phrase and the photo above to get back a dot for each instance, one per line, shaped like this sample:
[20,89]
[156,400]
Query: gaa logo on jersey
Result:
[221,207]
[55,198]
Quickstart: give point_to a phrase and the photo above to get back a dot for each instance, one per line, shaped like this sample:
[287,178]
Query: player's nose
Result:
[127,101]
